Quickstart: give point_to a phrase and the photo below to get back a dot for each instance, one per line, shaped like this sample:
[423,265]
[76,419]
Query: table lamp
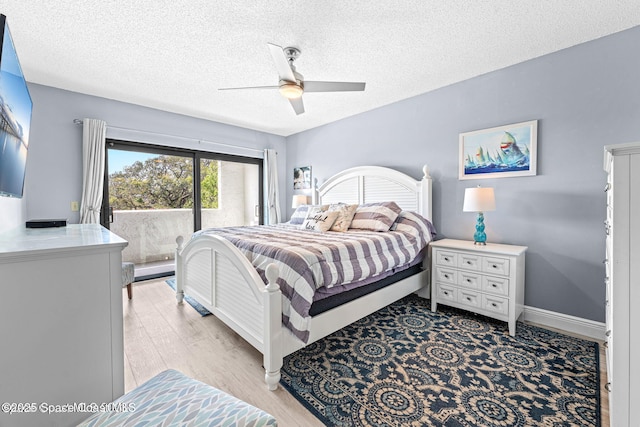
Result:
[479,200]
[299,200]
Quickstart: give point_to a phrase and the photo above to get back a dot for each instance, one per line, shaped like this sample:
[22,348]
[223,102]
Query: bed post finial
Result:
[272,276]
[314,192]
[425,171]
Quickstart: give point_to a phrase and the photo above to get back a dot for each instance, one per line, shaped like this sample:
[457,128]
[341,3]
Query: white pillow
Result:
[319,220]
[302,211]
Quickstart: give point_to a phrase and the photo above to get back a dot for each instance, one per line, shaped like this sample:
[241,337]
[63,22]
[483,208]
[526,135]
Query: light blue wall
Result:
[54,165]
[584,98]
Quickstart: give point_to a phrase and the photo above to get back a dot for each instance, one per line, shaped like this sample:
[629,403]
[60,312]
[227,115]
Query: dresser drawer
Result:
[446,293]
[495,285]
[469,262]
[495,304]
[495,265]
[470,298]
[446,275]
[469,279]
[446,258]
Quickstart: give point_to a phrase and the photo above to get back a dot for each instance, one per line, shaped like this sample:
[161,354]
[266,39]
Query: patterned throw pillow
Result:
[319,220]
[375,216]
[300,214]
[345,216]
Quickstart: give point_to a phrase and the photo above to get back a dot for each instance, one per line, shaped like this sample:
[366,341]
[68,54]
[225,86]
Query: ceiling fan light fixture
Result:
[291,90]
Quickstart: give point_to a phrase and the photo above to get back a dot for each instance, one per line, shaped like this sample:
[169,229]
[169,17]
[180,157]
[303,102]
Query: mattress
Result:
[309,260]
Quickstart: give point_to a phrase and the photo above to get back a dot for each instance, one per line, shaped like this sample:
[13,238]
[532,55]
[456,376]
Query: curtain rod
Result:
[199,141]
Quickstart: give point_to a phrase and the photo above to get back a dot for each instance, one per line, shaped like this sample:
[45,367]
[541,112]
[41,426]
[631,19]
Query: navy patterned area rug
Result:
[193,303]
[407,366]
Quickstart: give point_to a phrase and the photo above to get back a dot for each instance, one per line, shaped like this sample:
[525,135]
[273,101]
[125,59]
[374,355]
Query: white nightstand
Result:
[487,280]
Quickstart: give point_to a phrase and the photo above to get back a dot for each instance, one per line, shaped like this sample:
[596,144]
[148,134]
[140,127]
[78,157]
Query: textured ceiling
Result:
[174,55]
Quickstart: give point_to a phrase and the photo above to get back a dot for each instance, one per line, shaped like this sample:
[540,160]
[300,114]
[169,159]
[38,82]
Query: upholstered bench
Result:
[128,276]
[171,398]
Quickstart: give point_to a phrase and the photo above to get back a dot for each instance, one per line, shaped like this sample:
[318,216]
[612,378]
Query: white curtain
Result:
[273,198]
[93,154]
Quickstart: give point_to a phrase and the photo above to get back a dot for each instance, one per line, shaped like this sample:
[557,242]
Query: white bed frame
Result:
[215,273]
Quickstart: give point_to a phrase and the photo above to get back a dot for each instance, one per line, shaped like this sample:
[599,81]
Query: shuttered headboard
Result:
[369,184]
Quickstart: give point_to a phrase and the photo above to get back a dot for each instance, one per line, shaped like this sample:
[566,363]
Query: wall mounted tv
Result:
[15,117]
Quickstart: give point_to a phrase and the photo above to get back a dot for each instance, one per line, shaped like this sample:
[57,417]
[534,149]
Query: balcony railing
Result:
[152,233]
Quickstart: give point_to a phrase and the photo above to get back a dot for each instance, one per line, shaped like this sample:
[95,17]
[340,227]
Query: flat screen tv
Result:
[15,117]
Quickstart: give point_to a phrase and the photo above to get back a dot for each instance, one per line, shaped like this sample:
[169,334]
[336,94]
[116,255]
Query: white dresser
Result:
[60,323]
[622,279]
[487,280]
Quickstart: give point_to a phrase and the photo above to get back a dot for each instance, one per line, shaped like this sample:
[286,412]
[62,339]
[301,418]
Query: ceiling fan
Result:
[292,85]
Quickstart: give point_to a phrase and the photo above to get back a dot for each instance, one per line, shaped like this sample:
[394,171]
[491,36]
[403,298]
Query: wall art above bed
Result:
[302,178]
[499,152]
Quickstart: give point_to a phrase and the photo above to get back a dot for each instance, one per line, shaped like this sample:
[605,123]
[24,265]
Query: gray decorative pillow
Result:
[375,216]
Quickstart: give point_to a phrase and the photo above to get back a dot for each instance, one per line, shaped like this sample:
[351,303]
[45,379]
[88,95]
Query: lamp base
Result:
[480,237]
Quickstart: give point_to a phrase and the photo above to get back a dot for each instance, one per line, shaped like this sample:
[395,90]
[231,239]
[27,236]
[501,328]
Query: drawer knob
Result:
[493,285]
[468,298]
[469,262]
[493,304]
[608,333]
[468,280]
[607,387]
[446,293]
[607,187]
[446,258]
[495,266]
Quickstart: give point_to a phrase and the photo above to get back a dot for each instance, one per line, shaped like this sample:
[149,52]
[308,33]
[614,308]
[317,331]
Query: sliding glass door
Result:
[154,194]
[229,193]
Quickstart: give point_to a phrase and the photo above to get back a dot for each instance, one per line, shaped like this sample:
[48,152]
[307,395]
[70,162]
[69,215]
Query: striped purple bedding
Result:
[308,260]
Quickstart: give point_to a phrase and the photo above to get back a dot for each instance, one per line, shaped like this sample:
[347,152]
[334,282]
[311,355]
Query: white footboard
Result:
[216,274]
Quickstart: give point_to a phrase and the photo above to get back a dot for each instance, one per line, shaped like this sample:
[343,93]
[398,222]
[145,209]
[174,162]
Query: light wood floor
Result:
[159,334]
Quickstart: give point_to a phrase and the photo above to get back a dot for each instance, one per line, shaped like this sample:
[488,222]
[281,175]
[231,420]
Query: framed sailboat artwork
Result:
[499,152]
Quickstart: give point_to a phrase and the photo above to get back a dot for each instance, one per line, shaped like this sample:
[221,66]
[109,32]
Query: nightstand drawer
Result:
[495,304]
[469,262]
[446,275]
[495,265]
[446,258]
[470,298]
[496,285]
[469,280]
[446,293]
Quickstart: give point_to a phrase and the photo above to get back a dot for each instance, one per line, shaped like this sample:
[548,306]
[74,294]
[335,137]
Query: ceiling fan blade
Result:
[249,87]
[310,86]
[282,65]
[297,105]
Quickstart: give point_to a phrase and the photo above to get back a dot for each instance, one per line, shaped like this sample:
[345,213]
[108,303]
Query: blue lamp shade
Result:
[479,199]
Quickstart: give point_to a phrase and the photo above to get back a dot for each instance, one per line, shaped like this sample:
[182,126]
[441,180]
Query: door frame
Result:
[196,156]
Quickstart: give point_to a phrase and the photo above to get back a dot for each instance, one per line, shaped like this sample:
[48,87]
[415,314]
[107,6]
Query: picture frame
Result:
[499,152]
[302,178]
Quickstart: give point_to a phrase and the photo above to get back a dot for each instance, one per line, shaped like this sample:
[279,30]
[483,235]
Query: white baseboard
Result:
[589,328]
